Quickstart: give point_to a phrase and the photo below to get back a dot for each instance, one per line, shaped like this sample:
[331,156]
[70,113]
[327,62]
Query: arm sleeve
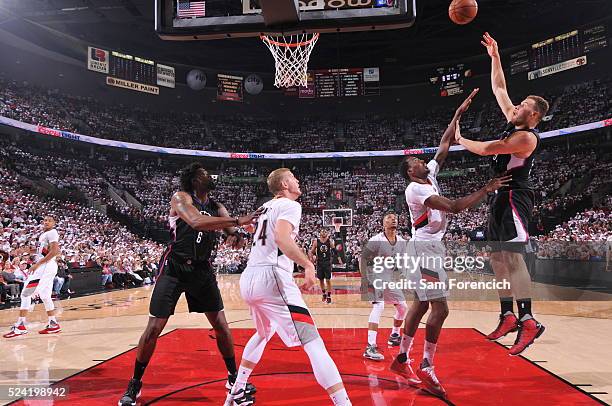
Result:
[292,212]
[418,193]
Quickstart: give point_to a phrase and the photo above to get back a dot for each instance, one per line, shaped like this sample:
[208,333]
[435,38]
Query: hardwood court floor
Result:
[575,347]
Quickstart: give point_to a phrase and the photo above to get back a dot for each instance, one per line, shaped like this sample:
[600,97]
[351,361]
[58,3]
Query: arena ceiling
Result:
[127,25]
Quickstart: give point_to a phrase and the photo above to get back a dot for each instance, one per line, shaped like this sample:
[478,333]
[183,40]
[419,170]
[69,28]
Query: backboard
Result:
[185,20]
[343,216]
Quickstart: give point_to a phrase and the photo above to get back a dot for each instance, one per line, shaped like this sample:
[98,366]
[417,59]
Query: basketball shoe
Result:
[51,328]
[528,331]
[404,369]
[430,381]
[231,379]
[372,353]
[394,340]
[508,323]
[131,394]
[240,398]
[16,331]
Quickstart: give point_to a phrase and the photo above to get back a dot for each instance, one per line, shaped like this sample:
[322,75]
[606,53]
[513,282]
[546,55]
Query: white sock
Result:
[340,398]
[429,351]
[52,319]
[372,337]
[241,379]
[20,321]
[395,330]
[405,344]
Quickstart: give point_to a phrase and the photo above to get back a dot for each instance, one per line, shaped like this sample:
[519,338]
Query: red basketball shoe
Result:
[529,330]
[430,380]
[51,328]
[16,331]
[508,323]
[405,370]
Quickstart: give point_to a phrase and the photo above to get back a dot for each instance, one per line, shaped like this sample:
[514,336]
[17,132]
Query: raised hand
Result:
[466,103]
[491,45]
[457,132]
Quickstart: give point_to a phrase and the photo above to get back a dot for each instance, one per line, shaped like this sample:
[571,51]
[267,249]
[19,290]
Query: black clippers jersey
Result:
[324,252]
[519,168]
[189,243]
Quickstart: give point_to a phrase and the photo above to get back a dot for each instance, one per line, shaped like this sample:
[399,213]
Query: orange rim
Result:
[290,45]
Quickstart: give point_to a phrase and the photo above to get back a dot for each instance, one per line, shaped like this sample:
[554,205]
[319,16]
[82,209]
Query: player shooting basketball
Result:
[510,207]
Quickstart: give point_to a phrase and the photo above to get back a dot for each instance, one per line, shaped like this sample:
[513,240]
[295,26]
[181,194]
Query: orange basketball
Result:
[462,11]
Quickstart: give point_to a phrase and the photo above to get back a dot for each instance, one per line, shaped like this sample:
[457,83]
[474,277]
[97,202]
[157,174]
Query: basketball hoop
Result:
[291,54]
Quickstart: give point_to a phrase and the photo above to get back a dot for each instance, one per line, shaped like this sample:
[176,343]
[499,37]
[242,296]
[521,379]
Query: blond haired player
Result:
[273,297]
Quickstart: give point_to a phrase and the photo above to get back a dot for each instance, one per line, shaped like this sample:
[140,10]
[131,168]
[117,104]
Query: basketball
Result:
[462,11]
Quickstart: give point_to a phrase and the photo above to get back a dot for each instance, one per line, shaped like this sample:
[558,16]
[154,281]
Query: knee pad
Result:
[376,313]
[401,309]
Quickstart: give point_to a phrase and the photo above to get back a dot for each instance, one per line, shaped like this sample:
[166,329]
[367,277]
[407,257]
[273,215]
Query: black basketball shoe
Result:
[231,379]
[131,394]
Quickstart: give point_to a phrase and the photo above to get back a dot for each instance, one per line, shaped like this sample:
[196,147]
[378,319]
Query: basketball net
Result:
[291,54]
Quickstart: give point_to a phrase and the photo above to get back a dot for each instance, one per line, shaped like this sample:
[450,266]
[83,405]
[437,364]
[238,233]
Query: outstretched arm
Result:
[520,142]
[448,136]
[498,81]
[455,206]
[182,204]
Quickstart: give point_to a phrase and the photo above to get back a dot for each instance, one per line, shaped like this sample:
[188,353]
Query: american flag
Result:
[189,9]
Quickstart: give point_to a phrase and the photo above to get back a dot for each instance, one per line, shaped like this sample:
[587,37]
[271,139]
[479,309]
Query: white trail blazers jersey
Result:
[427,224]
[265,251]
[44,241]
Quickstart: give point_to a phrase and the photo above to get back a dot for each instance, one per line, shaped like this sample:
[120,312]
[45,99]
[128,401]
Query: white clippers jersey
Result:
[265,251]
[44,241]
[427,224]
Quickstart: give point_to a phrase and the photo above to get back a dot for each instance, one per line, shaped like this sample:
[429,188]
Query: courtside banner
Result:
[238,155]
[558,67]
[97,60]
[165,76]
[126,84]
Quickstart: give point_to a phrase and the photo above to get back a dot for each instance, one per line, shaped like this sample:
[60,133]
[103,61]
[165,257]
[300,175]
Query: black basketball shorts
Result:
[324,272]
[198,282]
[509,216]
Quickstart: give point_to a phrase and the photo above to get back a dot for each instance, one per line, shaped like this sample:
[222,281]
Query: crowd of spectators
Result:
[570,105]
[88,236]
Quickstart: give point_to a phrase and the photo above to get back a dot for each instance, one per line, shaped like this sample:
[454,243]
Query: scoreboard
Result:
[344,82]
[450,79]
[559,49]
[132,68]
[229,87]
[130,72]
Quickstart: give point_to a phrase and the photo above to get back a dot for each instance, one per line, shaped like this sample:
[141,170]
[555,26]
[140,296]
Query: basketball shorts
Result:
[277,306]
[196,280]
[384,287]
[509,216]
[324,272]
[427,277]
[41,281]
